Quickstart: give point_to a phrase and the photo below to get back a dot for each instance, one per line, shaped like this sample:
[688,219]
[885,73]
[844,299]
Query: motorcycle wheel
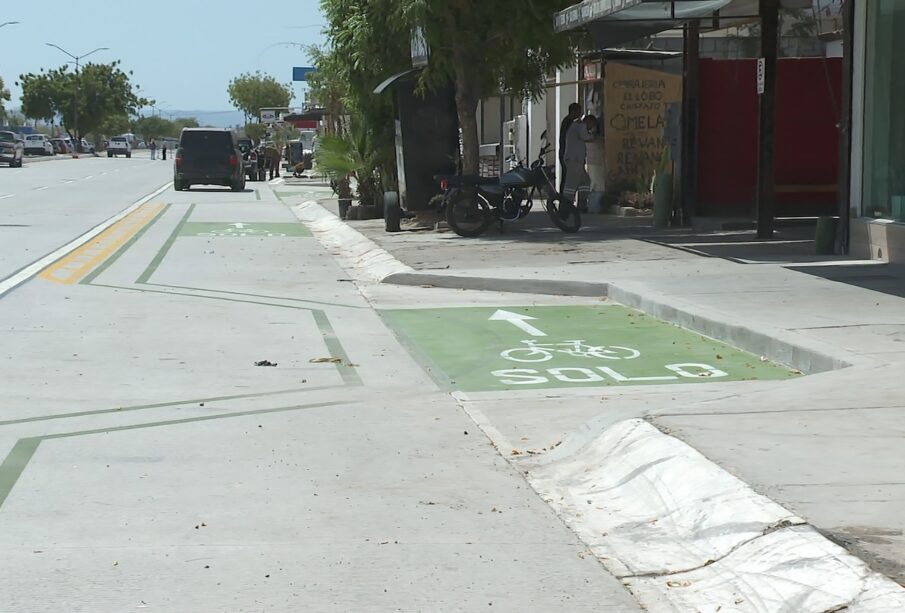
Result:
[564,214]
[467,213]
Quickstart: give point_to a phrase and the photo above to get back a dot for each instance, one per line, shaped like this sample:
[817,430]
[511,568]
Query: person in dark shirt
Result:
[568,120]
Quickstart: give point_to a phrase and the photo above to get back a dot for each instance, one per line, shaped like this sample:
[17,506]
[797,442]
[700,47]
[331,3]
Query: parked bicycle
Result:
[472,203]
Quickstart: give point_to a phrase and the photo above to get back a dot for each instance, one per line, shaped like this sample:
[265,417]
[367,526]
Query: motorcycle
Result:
[472,203]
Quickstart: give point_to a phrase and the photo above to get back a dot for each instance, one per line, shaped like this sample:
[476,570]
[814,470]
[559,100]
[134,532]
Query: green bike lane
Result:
[540,347]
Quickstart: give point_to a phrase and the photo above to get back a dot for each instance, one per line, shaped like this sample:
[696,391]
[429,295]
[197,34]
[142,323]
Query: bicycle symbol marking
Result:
[543,352]
[232,233]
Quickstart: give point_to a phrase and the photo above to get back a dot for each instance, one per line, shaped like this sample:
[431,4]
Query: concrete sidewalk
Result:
[830,446]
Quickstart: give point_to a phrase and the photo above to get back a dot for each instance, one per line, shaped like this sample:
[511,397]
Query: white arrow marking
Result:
[237,225]
[518,320]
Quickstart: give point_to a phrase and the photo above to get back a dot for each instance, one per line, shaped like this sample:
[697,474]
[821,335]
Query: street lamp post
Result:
[75,104]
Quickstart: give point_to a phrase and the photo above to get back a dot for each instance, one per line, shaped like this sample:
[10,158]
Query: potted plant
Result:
[334,159]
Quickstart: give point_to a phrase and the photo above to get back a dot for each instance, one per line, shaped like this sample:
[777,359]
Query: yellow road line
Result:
[77,263]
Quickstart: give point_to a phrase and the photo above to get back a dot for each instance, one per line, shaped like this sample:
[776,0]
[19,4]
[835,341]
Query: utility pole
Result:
[766,177]
[75,98]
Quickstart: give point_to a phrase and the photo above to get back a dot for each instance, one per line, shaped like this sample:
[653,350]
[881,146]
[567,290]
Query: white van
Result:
[119,145]
[38,144]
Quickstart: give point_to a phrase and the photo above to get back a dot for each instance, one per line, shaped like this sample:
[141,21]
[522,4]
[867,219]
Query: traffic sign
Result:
[483,349]
[300,73]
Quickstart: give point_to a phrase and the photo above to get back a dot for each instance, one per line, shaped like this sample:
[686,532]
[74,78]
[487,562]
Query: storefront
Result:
[878,131]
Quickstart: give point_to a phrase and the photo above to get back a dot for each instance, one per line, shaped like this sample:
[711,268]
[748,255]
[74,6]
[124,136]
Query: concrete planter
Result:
[344,205]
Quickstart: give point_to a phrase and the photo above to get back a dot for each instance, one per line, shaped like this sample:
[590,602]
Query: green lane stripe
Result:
[122,250]
[16,461]
[188,420]
[335,347]
[223,291]
[24,449]
[257,194]
[221,298]
[162,405]
[346,371]
[152,267]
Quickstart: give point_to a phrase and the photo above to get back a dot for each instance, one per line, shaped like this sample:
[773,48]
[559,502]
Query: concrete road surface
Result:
[200,412]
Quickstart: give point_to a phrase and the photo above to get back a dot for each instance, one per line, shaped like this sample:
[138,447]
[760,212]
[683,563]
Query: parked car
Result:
[60,145]
[208,156]
[12,149]
[119,145]
[87,147]
[38,144]
[250,158]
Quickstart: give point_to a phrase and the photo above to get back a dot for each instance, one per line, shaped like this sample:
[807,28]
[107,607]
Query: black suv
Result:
[208,156]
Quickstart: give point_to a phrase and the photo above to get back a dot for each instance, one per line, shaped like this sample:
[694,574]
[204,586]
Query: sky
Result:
[183,53]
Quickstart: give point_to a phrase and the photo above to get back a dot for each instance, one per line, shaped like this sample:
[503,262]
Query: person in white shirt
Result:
[580,133]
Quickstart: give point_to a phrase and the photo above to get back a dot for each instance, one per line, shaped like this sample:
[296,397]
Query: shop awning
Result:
[614,22]
[389,81]
[309,115]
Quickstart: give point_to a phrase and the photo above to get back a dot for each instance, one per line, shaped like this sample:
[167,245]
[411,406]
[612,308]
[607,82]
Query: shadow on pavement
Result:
[885,278]
[794,245]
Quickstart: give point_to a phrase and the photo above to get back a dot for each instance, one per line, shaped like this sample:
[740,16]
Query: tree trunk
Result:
[467,100]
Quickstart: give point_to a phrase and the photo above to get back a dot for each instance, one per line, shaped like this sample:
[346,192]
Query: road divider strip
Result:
[73,266]
[24,274]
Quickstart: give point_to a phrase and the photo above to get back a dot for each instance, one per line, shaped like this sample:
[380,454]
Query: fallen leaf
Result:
[678,583]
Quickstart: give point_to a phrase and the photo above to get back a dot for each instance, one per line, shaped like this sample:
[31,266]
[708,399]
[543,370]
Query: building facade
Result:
[877,197]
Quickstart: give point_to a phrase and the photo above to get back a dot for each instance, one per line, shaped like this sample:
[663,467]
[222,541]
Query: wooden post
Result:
[766,179]
[689,145]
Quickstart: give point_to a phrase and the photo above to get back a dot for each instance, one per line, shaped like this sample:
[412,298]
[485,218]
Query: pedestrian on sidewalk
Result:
[163,151]
[568,120]
[272,154]
[576,156]
[153,147]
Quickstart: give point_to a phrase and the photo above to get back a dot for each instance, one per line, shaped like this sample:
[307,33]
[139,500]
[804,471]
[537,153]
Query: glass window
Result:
[884,111]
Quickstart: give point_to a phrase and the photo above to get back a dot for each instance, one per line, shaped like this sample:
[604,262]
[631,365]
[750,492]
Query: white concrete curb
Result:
[359,255]
[365,260]
[685,535]
[681,532]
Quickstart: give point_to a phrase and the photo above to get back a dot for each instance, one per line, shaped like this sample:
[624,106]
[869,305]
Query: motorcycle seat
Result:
[492,188]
